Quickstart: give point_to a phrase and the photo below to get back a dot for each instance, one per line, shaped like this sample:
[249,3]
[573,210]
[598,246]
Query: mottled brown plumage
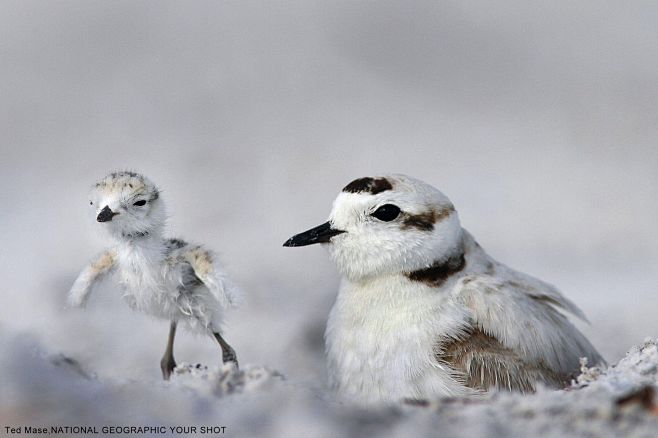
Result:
[482,362]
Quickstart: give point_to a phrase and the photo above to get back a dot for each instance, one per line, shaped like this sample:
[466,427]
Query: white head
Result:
[127,205]
[387,224]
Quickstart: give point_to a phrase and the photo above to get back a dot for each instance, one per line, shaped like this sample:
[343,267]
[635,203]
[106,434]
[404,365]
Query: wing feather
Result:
[482,362]
[538,289]
[206,268]
[90,276]
[517,328]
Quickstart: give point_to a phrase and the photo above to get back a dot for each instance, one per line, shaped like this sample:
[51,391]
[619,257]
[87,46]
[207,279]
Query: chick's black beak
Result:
[319,234]
[106,214]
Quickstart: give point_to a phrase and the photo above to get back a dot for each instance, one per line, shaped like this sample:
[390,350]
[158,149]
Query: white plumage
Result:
[166,278]
[424,312]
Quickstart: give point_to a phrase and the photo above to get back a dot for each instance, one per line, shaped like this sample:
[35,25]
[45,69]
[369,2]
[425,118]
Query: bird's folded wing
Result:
[482,362]
[90,276]
[521,329]
[207,269]
[537,289]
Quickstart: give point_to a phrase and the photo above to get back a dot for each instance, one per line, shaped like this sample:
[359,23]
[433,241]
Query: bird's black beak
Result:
[319,234]
[106,214]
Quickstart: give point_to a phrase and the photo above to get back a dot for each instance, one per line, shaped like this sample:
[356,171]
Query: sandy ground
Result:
[45,390]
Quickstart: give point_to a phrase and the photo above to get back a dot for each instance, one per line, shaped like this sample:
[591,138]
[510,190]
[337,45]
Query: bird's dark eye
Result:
[386,212]
[140,203]
[91,202]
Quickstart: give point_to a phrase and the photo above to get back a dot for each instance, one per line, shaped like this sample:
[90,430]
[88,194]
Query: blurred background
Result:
[538,119]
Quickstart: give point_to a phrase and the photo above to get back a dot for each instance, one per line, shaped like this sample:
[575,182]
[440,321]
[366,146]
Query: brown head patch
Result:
[425,221]
[368,185]
[439,272]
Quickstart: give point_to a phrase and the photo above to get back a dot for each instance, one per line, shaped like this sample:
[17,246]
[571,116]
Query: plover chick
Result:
[166,278]
[424,312]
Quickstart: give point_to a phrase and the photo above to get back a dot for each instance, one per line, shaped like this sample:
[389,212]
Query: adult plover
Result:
[424,312]
[167,278]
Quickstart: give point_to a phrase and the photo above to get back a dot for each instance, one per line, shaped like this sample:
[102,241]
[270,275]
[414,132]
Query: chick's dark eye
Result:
[387,212]
[140,203]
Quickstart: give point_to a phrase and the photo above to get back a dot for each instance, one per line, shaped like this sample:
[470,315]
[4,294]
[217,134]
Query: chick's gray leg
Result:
[228,353]
[167,364]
